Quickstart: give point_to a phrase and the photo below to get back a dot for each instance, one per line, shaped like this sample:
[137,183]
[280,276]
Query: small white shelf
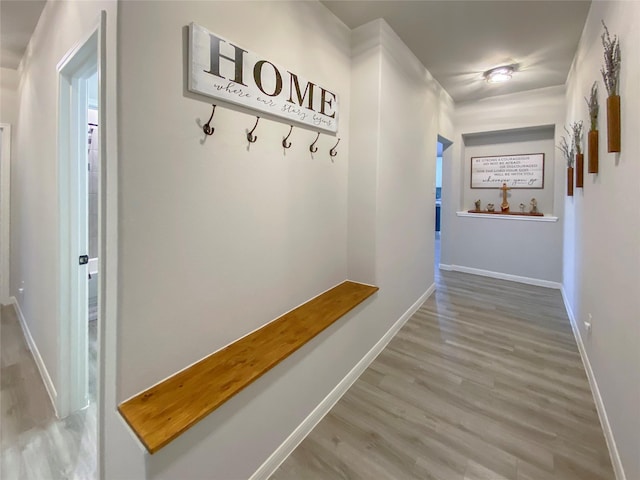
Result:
[518,218]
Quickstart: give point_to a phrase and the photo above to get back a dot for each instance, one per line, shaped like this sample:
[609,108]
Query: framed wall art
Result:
[517,171]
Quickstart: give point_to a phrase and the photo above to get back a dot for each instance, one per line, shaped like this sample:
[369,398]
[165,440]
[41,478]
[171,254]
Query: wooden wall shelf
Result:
[161,413]
[524,214]
[499,216]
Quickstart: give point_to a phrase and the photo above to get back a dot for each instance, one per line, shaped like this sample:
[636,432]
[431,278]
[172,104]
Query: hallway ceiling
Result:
[459,40]
[455,40]
[18,19]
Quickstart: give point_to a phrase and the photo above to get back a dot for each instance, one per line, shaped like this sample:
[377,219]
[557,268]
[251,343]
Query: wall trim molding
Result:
[595,391]
[281,453]
[502,276]
[44,373]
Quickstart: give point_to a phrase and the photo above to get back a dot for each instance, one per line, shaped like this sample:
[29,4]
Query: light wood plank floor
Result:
[34,444]
[484,382]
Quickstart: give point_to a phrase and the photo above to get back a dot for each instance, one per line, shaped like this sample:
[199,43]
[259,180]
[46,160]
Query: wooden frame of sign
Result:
[517,171]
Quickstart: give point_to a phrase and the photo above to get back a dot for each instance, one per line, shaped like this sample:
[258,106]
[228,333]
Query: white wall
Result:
[398,110]
[364,153]
[219,235]
[9,79]
[602,231]
[217,239]
[516,247]
[414,110]
[34,191]
[34,229]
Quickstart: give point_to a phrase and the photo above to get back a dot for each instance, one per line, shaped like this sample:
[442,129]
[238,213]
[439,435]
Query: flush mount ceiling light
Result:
[499,74]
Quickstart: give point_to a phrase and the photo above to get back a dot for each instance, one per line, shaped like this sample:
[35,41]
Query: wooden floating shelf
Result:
[522,214]
[161,413]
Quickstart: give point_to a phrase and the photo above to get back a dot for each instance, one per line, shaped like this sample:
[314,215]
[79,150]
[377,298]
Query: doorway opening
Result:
[93,173]
[443,171]
[438,192]
[81,159]
[5,181]
[74,226]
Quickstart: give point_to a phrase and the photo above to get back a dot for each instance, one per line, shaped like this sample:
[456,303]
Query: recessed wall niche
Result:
[519,141]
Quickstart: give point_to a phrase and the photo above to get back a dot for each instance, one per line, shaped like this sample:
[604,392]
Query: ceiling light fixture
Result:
[499,74]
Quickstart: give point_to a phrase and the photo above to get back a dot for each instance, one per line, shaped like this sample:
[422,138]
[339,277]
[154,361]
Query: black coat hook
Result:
[333,152]
[312,147]
[250,137]
[207,128]
[286,144]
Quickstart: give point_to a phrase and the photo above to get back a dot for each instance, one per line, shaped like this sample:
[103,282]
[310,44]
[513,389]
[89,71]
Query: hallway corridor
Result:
[484,382]
[34,444]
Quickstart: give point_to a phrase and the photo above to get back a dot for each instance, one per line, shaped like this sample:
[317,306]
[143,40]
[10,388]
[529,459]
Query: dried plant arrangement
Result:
[576,136]
[576,142]
[612,60]
[566,149]
[592,139]
[611,76]
[592,105]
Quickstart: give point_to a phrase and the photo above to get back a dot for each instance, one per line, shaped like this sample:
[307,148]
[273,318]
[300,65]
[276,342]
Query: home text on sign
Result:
[225,71]
[517,171]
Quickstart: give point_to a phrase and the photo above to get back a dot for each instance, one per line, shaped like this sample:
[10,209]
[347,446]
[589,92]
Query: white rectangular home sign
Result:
[517,171]
[223,70]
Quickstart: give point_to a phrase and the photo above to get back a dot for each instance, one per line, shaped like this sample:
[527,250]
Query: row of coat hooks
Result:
[251,138]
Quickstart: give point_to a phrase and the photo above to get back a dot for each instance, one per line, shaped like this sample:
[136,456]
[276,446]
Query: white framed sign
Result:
[517,171]
[223,70]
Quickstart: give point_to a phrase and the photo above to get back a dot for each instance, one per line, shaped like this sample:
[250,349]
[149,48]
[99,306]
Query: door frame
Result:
[445,200]
[5,211]
[80,62]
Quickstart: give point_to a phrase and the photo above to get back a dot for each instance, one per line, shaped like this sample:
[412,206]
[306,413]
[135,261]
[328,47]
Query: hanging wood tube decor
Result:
[593,151]
[611,78]
[570,181]
[613,123]
[579,170]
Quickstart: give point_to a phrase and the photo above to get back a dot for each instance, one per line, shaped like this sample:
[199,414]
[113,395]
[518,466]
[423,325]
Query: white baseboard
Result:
[602,413]
[289,445]
[46,379]
[502,276]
